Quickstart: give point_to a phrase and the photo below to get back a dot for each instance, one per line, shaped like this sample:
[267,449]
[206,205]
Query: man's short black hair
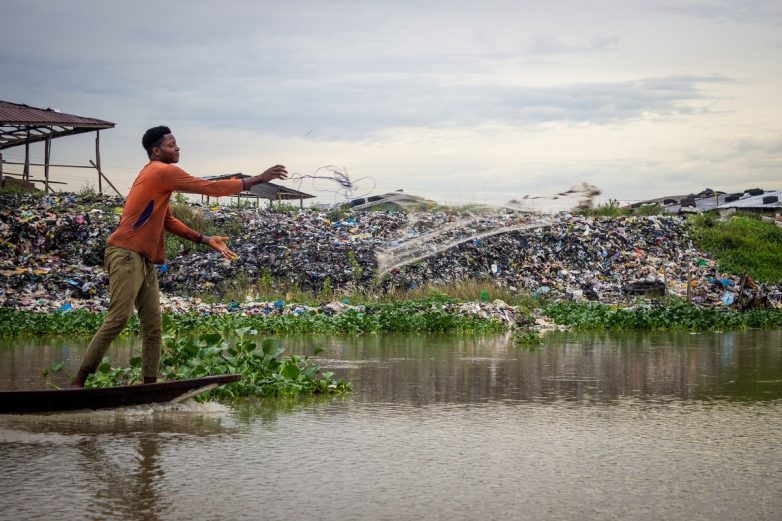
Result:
[153,137]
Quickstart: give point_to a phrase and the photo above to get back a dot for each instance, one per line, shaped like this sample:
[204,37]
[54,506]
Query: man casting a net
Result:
[138,244]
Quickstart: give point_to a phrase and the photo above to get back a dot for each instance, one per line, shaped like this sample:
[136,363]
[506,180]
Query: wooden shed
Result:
[270,191]
[22,125]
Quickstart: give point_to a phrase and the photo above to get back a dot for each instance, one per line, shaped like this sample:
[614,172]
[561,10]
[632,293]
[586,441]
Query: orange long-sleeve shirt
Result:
[147,214]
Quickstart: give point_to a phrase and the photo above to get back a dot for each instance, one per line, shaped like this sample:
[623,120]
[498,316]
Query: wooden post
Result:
[97,162]
[739,302]
[47,150]
[2,179]
[26,173]
[100,175]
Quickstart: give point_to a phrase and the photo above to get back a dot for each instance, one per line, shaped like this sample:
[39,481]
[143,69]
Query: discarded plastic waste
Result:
[48,258]
[65,308]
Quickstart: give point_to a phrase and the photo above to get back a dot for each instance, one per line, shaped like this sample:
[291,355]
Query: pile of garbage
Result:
[610,260]
[51,258]
[305,249]
[51,251]
[497,310]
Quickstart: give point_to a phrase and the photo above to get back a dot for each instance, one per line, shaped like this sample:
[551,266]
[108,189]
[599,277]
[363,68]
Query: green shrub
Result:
[741,244]
[201,221]
[608,209]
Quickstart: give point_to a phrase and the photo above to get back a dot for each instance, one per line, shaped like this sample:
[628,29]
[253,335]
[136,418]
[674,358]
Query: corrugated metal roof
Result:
[20,124]
[20,114]
[756,201]
[397,198]
[746,201]
[277,193]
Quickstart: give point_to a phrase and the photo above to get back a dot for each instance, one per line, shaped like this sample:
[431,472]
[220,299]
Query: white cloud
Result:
[547,44]
[764,12]
[497,96]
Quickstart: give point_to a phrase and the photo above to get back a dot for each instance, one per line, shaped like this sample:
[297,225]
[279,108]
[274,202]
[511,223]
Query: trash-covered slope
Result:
[51,251]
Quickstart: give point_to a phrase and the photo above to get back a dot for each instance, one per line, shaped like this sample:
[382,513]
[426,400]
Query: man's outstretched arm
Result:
[275,172]
[175,179]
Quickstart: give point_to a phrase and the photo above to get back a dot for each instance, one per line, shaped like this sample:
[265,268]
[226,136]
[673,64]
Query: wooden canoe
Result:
[70,399]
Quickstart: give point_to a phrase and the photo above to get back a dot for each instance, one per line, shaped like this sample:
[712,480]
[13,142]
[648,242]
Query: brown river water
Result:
[588,426]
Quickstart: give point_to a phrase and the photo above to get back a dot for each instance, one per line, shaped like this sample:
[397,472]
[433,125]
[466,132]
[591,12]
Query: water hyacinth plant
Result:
[264,371]
[526,338]
[675,315]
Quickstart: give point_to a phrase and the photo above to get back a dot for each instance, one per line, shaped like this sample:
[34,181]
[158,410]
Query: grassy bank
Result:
[741,244]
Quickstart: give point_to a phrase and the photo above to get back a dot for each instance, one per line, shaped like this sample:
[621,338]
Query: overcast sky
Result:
[460,101]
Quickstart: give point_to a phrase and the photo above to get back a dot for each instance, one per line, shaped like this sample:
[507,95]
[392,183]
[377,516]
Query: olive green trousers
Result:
[132,283]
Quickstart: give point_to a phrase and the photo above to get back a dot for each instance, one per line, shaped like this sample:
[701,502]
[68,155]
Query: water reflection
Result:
[420,370]
[568,366]
[116,458]
[596,426]
[23,359]
[129,490]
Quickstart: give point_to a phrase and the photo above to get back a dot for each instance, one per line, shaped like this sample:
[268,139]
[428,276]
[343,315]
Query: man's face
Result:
[168,151]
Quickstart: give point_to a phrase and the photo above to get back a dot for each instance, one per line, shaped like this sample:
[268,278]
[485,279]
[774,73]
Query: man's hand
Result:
[275,172]
[218,244]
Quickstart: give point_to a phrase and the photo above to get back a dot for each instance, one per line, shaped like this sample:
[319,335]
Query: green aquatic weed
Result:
[260,362]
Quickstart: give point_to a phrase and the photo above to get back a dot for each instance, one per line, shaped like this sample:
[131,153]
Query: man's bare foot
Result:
[79,379]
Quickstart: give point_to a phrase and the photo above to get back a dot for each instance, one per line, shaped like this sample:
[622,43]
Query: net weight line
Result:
[414,249]
[346,187]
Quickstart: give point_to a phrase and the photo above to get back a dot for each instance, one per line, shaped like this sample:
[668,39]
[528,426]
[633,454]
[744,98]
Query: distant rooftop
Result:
[756,199]
[397,198]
